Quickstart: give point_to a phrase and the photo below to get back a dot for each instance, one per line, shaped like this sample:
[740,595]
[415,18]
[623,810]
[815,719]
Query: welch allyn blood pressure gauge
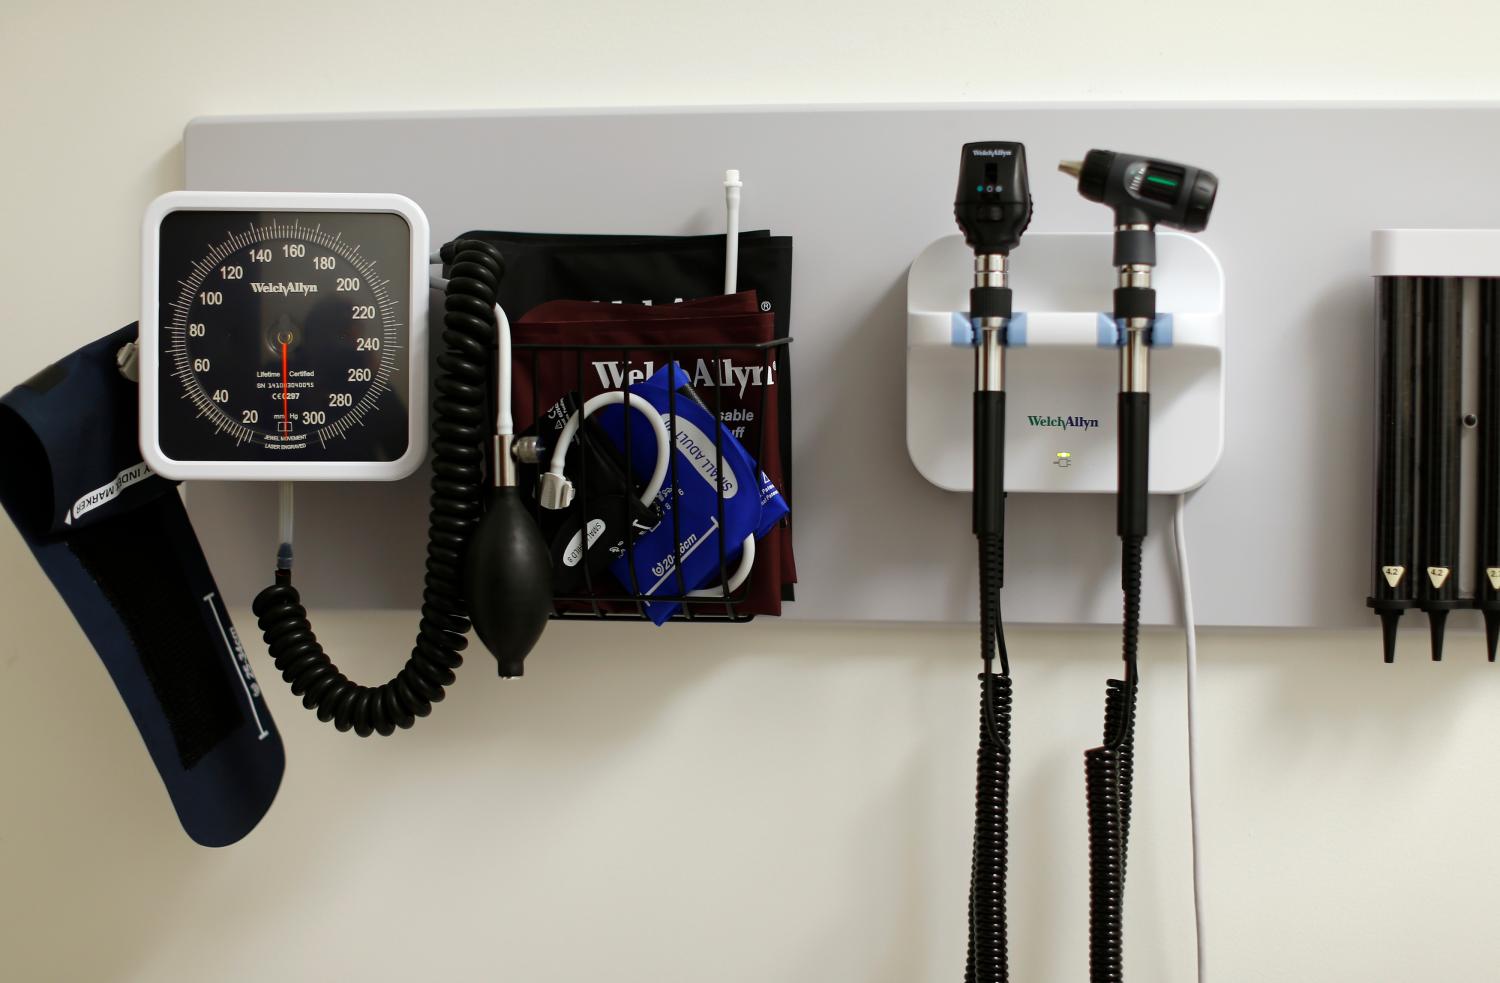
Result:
[284,336]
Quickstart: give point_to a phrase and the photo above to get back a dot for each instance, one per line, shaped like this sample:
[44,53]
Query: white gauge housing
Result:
[153,377]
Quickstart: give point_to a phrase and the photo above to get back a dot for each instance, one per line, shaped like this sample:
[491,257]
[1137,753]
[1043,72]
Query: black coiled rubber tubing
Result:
[988,956]
[1109,772]
[988,960]
[459,435]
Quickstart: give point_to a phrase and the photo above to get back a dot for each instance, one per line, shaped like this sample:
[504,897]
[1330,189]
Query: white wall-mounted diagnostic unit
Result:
[1063,367]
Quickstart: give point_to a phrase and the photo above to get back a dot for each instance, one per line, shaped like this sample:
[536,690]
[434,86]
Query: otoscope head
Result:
[993,205]
[1144,190]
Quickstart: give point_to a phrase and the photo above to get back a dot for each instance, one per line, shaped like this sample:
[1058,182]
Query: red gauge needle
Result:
[286,416]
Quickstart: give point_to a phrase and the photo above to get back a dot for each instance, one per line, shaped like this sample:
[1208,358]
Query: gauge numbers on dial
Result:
[285,336]
[314,369]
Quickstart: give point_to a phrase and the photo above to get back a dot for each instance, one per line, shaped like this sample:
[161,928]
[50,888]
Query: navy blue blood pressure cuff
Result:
[115,541]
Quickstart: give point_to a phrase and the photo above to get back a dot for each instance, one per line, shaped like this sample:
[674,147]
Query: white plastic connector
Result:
[732,186]
[128,361]
[553,491]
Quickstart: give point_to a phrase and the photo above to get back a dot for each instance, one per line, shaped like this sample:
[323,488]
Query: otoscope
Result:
[993,209]
[1143,192]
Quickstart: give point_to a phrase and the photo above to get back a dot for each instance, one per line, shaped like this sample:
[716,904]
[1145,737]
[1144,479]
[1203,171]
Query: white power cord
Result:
[1190,632]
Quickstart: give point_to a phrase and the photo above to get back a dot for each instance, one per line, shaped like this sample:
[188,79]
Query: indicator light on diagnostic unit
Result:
[1064,459]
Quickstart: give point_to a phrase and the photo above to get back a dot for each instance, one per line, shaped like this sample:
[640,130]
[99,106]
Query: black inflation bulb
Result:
[1436,621]
[508,581]
[1389,620]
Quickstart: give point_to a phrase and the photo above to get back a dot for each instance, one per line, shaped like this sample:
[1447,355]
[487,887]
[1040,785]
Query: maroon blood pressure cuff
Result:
[736,380]
[115,541]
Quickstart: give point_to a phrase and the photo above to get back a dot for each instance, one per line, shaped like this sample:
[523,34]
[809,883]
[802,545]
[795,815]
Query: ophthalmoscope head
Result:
[993,204]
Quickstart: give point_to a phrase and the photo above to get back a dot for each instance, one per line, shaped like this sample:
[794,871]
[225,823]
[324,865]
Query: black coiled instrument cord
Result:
[459,438]
[988,960]
[1109,770]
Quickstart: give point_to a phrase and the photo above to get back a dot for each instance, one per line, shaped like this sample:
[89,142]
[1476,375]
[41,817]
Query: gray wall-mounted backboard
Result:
[1279,534]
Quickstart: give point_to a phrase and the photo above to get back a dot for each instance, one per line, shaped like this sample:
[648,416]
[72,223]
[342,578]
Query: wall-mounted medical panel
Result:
[1281,528]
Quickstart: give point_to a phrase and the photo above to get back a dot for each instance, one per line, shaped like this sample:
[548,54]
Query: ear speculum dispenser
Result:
[1436,537]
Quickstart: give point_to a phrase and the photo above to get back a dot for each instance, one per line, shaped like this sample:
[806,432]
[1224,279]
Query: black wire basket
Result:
[602,597]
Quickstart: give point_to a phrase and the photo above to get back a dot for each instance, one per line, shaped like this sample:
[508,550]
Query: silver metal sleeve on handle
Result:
[990,270]
[1135,353]
[504,474]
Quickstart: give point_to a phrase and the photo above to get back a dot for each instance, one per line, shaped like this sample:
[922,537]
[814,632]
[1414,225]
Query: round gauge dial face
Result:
[284,336]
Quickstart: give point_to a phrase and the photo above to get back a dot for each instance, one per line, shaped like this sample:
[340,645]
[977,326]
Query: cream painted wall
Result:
[771,803]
